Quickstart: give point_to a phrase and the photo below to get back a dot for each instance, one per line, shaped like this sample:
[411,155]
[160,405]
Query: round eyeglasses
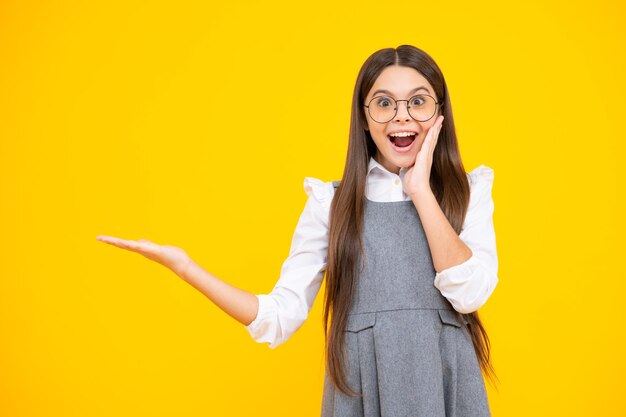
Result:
[421,107]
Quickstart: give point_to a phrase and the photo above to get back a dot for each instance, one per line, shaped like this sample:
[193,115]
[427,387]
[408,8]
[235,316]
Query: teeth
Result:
[402,134]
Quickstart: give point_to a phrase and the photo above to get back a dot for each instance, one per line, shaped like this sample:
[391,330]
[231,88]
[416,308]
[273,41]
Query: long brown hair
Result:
[448,181]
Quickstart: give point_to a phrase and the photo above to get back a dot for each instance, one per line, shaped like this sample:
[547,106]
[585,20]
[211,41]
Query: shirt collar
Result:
[375,164]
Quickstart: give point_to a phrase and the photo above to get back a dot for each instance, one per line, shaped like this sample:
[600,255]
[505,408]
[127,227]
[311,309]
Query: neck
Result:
[389,167]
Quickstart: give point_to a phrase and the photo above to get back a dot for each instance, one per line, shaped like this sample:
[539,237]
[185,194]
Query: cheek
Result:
[372,126]
[430,125]
[380,138]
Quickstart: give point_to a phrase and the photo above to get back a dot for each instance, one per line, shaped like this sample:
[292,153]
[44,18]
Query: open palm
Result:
[171,257]
[417,177]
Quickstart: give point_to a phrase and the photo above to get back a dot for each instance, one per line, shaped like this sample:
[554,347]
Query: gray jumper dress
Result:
[405,349]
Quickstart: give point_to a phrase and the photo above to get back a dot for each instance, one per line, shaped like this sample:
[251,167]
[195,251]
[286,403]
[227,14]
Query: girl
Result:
[406,244]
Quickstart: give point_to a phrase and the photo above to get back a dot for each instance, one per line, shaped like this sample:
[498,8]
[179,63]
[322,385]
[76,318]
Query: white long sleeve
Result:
[468,285]
[285,309]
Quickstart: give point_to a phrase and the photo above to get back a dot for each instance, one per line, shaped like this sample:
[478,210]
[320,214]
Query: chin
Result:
[404,161]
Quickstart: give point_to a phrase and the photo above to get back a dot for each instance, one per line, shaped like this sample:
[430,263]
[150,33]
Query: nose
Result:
[403,111]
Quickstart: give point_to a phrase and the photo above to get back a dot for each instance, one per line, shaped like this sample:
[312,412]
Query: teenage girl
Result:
[406,243]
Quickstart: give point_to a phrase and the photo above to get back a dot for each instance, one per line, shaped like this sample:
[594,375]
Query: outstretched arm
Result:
[239,304]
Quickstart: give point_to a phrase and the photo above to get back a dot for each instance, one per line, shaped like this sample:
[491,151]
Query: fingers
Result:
[122,243]
[106,239]
[136,246]
[436,128]
[439,127]
[433,135]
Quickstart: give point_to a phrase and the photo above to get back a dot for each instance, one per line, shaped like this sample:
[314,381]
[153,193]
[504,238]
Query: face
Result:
[399,81]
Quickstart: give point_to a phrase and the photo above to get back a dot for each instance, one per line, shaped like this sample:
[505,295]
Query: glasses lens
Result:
[382,109]
[422,108]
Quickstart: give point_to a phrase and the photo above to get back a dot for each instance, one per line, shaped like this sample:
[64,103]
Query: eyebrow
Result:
[410,92]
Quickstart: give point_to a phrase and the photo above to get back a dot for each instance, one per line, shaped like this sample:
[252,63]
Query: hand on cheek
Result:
[417,178]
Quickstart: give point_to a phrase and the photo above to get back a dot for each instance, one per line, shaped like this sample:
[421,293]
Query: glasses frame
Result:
[437,103]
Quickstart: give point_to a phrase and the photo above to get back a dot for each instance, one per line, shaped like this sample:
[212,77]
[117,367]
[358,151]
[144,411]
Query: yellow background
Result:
[194,124]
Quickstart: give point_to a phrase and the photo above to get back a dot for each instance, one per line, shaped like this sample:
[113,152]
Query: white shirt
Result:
[467,285]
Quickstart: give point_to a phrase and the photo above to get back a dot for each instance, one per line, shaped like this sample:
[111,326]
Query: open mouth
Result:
[400,142]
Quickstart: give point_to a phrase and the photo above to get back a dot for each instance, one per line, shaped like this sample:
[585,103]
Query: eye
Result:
[417,101]
[383,102]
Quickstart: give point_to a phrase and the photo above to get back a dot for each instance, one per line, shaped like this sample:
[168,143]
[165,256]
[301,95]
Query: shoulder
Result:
[481,183]
[480,176]
[321,191]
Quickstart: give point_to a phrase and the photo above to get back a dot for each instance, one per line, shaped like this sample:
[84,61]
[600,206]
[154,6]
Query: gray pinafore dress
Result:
[405,349]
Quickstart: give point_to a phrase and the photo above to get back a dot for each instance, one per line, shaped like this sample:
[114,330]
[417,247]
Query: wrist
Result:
[182,268]
[421,193]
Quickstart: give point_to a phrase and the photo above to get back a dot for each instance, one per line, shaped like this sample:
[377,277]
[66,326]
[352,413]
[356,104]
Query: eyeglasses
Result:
[421,108]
